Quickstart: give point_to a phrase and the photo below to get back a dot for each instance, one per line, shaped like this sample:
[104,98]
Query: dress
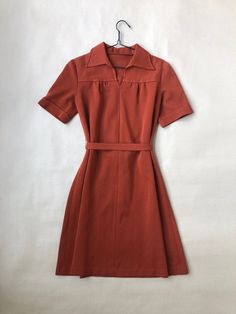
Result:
[118,219]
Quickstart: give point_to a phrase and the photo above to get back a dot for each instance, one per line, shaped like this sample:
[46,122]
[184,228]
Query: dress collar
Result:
[141,57]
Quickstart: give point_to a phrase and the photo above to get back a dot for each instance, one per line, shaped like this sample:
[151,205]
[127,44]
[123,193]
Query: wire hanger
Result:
[119,40]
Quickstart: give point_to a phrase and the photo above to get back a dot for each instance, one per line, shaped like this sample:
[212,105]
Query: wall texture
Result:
[40,156]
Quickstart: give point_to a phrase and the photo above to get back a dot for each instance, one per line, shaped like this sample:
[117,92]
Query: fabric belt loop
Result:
[118,146]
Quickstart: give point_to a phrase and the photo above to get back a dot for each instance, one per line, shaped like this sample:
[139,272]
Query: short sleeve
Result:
[174,103]
[60,98]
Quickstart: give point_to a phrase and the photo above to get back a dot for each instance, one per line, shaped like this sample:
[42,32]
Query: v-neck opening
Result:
[119,51]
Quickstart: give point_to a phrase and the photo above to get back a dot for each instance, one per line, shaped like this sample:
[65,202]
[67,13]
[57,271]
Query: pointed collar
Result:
[141,58]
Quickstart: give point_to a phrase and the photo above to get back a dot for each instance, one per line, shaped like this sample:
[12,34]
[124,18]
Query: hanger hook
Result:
[119,41]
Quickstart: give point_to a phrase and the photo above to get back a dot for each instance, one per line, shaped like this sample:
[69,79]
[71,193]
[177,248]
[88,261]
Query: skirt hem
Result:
[122,273]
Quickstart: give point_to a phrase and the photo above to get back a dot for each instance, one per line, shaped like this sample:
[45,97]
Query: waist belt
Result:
[118,146]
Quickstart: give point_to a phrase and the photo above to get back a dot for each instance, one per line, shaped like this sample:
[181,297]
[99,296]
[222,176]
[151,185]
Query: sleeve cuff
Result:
[54,109]
[176,115]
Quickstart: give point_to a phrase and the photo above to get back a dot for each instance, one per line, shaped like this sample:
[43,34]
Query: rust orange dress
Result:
[118,219]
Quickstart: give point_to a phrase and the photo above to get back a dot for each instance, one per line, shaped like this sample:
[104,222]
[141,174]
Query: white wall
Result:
[40,155]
